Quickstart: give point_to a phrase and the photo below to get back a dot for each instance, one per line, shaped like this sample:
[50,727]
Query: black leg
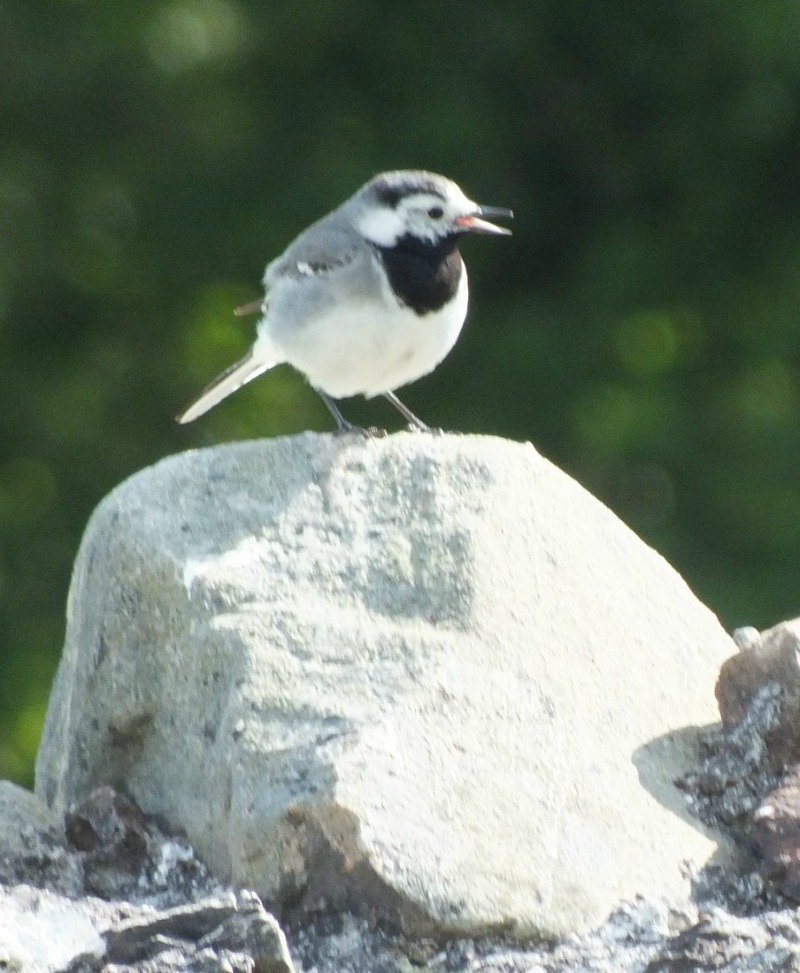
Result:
[414,421]
[342,425]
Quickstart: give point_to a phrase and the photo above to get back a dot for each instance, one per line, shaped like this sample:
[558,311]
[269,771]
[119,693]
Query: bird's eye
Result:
[435,212]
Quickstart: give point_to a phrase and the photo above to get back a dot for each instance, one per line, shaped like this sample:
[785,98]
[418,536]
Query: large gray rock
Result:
[428,677]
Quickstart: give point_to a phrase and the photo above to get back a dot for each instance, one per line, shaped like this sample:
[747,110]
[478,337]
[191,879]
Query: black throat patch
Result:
[423,274]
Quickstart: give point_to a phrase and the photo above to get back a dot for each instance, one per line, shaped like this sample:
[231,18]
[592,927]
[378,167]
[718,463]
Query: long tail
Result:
[233,378]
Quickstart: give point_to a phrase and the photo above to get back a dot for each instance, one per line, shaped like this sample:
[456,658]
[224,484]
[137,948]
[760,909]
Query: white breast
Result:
[372,346]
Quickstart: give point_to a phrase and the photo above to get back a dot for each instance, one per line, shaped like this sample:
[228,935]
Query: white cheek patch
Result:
[381,226]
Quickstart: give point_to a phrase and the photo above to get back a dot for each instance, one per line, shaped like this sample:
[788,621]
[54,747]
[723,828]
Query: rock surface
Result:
[167,915]
[645,936]
[776,832]
[770,657]
[750,780]
[22,814]
[735,771]
[108,892]
[428,678]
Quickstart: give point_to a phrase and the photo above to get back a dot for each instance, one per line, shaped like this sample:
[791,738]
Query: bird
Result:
[367,299]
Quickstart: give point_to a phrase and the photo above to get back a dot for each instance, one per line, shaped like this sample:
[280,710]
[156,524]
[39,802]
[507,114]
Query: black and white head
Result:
[419,206]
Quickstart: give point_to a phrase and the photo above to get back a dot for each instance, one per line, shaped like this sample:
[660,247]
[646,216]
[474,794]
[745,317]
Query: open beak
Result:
[473,223]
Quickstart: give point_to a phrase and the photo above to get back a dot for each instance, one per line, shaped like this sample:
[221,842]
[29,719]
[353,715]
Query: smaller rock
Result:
[42,931]
[722,943]
[146,934]
[124,854]
[32,847]
[772,657]
[113,892]
[250,927]
[22,813]
[776,831]
[743,782]
[107,819]
[113,833]
[219,925]
[736,770]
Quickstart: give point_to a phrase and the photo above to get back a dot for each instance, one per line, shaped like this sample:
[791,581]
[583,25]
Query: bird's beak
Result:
[473,223]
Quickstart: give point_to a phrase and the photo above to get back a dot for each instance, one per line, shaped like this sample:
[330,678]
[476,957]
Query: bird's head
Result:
[422,206]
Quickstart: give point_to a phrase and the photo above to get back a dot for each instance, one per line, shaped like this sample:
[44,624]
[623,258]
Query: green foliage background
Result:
[641,327]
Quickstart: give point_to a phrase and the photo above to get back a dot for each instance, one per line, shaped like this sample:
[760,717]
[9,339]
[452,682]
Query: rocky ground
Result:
[424,701]
[116,895]
[108,890]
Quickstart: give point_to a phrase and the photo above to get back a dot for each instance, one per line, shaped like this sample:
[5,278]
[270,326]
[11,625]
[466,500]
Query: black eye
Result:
[435,212]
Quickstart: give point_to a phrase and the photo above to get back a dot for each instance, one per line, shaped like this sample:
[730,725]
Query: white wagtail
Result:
[367,299]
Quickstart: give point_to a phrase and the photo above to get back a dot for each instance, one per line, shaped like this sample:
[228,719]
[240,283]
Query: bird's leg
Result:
[342,425]
[413,421]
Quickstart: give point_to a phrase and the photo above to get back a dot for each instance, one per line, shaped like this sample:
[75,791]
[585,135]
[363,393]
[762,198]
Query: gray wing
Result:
[325,248]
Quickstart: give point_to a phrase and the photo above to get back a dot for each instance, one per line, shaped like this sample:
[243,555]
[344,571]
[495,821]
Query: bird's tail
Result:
[233,378]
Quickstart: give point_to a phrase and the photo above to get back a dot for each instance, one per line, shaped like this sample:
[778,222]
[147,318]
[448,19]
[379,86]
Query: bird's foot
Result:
[346,428]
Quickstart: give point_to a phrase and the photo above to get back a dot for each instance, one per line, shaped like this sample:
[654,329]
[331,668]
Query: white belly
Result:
[372,348]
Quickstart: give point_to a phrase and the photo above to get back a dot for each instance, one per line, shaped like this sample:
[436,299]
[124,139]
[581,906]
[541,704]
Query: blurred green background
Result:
[642,326]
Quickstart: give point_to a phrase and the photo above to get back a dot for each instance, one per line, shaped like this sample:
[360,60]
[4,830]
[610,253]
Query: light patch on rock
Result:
[42,932]
[244,557]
